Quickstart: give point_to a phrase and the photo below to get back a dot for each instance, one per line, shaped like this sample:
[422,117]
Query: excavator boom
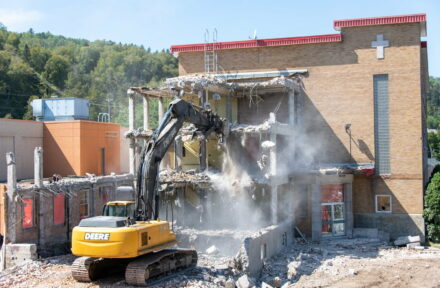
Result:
[180,111]
[135,240]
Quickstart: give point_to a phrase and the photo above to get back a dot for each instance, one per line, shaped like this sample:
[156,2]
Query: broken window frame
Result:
[376,204]
[81,202]
[23,213]
[56,207]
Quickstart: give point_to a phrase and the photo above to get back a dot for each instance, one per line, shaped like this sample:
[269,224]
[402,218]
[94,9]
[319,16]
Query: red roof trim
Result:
[258,43]
[423,44]
[338,24]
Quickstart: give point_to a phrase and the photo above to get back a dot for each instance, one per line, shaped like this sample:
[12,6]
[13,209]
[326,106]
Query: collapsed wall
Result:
[43,213]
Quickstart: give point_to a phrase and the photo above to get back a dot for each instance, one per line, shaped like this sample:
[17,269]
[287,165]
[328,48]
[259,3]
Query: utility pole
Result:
[109,109]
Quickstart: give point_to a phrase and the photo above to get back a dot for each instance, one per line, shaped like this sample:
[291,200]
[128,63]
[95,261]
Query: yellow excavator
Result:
[129,235]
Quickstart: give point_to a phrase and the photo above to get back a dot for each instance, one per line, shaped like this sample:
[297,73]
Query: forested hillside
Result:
[40,65]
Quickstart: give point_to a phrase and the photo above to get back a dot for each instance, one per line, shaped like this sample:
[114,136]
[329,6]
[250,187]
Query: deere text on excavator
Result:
[130,234]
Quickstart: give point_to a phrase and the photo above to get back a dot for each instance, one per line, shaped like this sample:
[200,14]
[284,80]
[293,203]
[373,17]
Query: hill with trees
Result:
[40,65]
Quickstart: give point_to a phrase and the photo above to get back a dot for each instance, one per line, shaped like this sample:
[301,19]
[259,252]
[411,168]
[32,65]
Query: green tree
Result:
[433,103]
[432,208]
[434,145]
[38,58]
[29,115]
[56,70]
[13,40]
[26,53]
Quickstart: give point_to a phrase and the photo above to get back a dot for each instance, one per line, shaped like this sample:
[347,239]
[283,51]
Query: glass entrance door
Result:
[333,220]
[332,210]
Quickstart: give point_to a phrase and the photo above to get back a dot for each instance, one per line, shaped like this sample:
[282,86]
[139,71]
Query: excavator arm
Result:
[180,111]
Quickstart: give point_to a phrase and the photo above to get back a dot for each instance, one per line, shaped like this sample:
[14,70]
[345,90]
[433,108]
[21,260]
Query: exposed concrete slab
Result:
[267,243]
[17,254]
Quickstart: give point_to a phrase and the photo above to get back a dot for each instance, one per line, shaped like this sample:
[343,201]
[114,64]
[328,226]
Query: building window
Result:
[383,204]
[28,213]
[381,125]
[83,204]
[58,209]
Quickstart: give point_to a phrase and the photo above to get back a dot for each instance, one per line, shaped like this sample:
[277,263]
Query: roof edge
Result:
[385,20]
[326,38]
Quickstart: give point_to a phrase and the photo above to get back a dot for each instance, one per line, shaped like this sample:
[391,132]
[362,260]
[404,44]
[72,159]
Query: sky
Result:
[158,24]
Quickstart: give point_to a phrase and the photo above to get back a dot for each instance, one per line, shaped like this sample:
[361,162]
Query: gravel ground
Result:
[335,263]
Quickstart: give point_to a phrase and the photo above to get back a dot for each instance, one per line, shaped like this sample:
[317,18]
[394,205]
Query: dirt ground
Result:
[335,263]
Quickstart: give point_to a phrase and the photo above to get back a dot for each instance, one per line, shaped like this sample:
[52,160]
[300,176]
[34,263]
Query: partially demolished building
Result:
[326,131]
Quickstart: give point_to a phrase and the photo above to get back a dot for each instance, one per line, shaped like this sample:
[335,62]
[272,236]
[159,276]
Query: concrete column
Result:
[178,153]
[146,102]
[348,199]
[203,149]
[131,127]
[273,173]
[132,156]
[10,202]
[12,173]
[291,107]
[180,219]
[131,110]
[292,196]
[160,109]
[274,204]
[229,108]
[273,155]
[38,167]
[316,212]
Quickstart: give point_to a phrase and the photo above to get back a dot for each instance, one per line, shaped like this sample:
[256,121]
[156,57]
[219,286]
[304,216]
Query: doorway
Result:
[332,210]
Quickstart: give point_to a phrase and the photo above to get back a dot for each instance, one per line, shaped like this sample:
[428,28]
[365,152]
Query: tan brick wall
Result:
[339,90]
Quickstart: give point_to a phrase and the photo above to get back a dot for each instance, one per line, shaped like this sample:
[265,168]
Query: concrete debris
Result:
[229,283]
[17,254]
[323,265]
[244,128]
[212,250]
[190,176]
[352,271]
[198,82]
[276,282]
[415,246]
[265,285]
[139,133]
[267,145]
[292,269]
[244,282]
[402,241]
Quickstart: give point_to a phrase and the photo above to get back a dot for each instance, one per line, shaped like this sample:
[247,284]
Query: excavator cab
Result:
[119,209]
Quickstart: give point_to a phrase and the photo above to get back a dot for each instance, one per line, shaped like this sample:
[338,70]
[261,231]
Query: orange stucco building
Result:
[79,147]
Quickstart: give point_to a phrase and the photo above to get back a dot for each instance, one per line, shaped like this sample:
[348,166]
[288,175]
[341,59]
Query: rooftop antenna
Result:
[211,63]
[255,35]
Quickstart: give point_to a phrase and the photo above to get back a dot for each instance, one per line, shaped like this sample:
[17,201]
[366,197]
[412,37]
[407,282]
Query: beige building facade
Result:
[362,106]
[20,137]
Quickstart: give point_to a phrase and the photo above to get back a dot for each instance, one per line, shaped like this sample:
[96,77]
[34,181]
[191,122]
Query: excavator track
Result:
[88,269]
[163,262]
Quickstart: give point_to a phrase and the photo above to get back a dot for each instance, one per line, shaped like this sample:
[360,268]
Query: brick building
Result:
[359,113]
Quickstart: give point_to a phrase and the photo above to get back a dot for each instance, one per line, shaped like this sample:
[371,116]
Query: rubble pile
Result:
[190,176]
[328,264]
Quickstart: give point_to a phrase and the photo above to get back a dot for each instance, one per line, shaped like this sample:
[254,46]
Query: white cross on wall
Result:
[380,44]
